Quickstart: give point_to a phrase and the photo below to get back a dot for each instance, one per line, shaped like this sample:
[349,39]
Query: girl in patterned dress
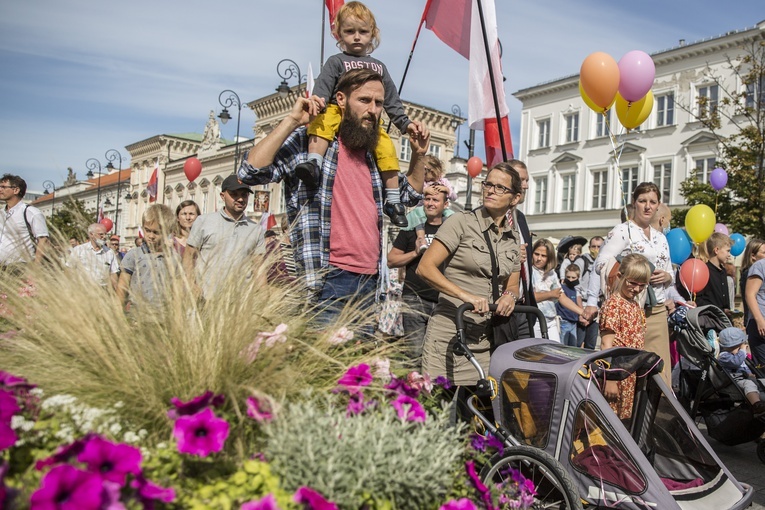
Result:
[622,324]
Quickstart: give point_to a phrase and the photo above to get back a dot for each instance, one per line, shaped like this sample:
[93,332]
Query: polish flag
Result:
[457,23]
[267,221]
[100,214]
[332,7]
[310,82]
[152,187]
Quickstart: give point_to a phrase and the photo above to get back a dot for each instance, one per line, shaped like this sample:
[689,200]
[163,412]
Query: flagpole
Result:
[491,80]
[411,54]
[323,19]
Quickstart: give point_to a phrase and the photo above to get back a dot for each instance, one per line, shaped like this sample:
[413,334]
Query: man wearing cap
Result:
[95,258]
[222,241]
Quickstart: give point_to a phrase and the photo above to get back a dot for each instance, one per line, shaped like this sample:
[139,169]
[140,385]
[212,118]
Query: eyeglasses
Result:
[498,188]
[637,285]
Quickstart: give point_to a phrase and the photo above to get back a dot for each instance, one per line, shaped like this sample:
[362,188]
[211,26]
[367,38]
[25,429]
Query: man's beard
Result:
[355,136]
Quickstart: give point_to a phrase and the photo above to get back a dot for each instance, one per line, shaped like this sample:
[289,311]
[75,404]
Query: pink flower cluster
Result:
[305,496]
[516,491]
[14,399]
[108,476]
[197,429]
[271,338]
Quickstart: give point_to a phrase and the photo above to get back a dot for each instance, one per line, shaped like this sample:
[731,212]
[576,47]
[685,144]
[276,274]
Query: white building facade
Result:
[576,186]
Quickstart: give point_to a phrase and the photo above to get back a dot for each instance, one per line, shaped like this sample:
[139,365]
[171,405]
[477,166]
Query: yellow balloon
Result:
[590,103]
[634,114]
[700,222]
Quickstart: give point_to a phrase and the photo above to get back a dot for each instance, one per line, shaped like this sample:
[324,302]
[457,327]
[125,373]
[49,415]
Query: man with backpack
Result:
[23,232]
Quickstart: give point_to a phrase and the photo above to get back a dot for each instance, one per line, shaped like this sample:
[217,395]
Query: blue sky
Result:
[80,77]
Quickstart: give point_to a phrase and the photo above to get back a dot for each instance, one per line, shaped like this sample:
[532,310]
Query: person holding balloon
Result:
[637,236]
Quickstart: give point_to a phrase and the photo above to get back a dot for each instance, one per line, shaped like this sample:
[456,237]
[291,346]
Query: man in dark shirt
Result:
[419,297]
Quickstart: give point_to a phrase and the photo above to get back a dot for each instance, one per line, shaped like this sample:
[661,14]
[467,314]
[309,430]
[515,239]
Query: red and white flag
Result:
[267,221]
[100,214]
[450,21]
[152,186]
[310,82]
[332,7]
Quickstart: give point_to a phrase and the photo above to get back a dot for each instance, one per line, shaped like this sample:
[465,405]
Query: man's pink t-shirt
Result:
[354,238]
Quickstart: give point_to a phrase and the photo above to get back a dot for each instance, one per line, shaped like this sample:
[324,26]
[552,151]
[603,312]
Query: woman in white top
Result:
[637,236]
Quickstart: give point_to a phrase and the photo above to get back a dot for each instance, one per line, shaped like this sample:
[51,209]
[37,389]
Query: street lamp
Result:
[111,155]
[471,147]
[92,164]
[50,187]
[291,70]
[456,123]
[108,203]
[231,100]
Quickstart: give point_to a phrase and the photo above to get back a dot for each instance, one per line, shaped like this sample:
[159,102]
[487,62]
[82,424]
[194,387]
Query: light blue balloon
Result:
[679,245]
[739,244]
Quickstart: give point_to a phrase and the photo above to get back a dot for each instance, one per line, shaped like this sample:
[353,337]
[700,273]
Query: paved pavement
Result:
[746,467]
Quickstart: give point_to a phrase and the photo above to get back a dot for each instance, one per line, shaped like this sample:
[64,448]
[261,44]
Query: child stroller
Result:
[706,389]
[559,432]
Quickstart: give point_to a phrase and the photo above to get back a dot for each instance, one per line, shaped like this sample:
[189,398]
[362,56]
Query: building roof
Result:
[106,180]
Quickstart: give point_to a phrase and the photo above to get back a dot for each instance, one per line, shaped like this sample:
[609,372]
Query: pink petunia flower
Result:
[357,404]
[381,368]
[8,406]
[13,381]
[110,495]
[196,404]
[356,377]
[149,493]
[277,335]
[201,434]
[64,453]
[420,382]
[312,500]
[341,336]
[409,408]
[259,411]
[266,503]
[400,386]
[250,353]
[8,437]
[460,504]
[67,488]
[113,461]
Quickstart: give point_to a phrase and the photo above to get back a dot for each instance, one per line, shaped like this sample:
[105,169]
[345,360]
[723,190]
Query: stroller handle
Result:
[459,320]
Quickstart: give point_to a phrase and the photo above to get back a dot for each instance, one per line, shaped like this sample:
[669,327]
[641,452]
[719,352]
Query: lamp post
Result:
[231,100]
[111,155]
[92,164]
[50,187]
[287,72]
[471,147]
[456,123]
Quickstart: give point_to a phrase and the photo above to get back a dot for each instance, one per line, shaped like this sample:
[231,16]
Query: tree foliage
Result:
[741,204]
[71,220]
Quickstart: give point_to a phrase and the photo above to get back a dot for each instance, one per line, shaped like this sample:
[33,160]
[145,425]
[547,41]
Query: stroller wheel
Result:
[761,450]
[554,487]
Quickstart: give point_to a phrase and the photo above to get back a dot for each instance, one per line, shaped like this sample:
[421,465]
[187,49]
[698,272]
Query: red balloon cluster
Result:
[474,166]
[107,223]
[192,168]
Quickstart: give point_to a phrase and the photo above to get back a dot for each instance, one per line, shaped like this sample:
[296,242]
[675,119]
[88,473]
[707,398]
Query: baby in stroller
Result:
[733,359]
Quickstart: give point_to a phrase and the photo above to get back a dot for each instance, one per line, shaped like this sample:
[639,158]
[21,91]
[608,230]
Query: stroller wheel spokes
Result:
[552,487]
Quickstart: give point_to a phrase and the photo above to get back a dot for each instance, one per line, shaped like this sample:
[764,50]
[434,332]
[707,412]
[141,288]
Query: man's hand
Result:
[590,312]
[301,111]
[419,136]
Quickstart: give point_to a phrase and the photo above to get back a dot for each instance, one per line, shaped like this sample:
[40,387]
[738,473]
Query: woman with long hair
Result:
[185,214]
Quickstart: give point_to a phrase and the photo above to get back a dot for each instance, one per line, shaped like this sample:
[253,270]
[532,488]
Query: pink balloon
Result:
[636,74]
[107,223]
[719,227]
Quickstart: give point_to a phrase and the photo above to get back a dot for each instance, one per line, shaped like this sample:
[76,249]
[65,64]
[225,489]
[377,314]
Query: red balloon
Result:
[192,168]
[107,223]
[694,275]
[474,166]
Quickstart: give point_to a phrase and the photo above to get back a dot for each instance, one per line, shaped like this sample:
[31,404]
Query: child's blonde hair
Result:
[161,215]
[361,12]
[717,240]
[550,249]
[633,267]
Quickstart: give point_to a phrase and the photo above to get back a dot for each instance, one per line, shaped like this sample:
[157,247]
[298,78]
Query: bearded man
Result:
[337,238]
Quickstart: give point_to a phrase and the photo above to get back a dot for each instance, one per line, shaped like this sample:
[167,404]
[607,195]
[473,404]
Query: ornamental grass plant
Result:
[72,337]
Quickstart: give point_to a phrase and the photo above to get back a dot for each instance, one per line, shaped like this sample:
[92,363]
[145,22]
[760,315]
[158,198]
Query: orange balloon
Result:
[599,75]
[588,101]
[694,275]
[474,166]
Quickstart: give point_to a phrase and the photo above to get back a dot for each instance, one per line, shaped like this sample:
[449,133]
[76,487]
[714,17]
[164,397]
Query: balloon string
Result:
[716,195]
[617,156]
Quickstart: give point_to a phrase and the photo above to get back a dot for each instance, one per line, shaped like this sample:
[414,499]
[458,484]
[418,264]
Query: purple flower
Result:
[258,411]
[200,434]
[67,488]
[64,453]
[8,406]
[401,387]
[409,408]
[312,500]
[266,503]
[480,443]
[110,496]
[13,381]
[196,404]
[357,404]
[443,382]
[461,504]
[5,493]
[8,437]
[149,493]
[356,377]
[113,461]
[478,484]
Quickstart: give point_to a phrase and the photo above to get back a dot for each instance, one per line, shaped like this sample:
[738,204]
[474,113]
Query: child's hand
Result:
[611,390]
[317,104]
[413,129]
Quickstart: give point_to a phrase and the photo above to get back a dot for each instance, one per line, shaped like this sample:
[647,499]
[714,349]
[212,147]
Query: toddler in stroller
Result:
[733,360]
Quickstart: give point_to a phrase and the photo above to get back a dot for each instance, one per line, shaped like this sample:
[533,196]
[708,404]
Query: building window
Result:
[665,110]
[543,131]
[752,90]
[710,93]
[540,195]
[569,190]
[704,167]
[406,150]
[602,124]
[662,177]
[572,127]
[599,189]
[629,182]
[434,150]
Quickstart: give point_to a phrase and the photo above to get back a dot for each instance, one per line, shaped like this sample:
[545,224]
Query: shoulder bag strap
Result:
[494,268]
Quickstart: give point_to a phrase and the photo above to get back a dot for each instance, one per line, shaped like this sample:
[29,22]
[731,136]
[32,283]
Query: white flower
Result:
[36,392]
[341,336]
[119,405]
[381,367]
[115,429]
[19,422]
[130,437]
[142,433]
[271,338]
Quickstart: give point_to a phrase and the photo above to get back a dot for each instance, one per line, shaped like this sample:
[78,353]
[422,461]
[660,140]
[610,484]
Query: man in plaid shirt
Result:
[337,233]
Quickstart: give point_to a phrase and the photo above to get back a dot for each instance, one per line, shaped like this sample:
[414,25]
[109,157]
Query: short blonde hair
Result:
[717,240]
[161,215]
[361,12]
[633,267]
[573,268]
